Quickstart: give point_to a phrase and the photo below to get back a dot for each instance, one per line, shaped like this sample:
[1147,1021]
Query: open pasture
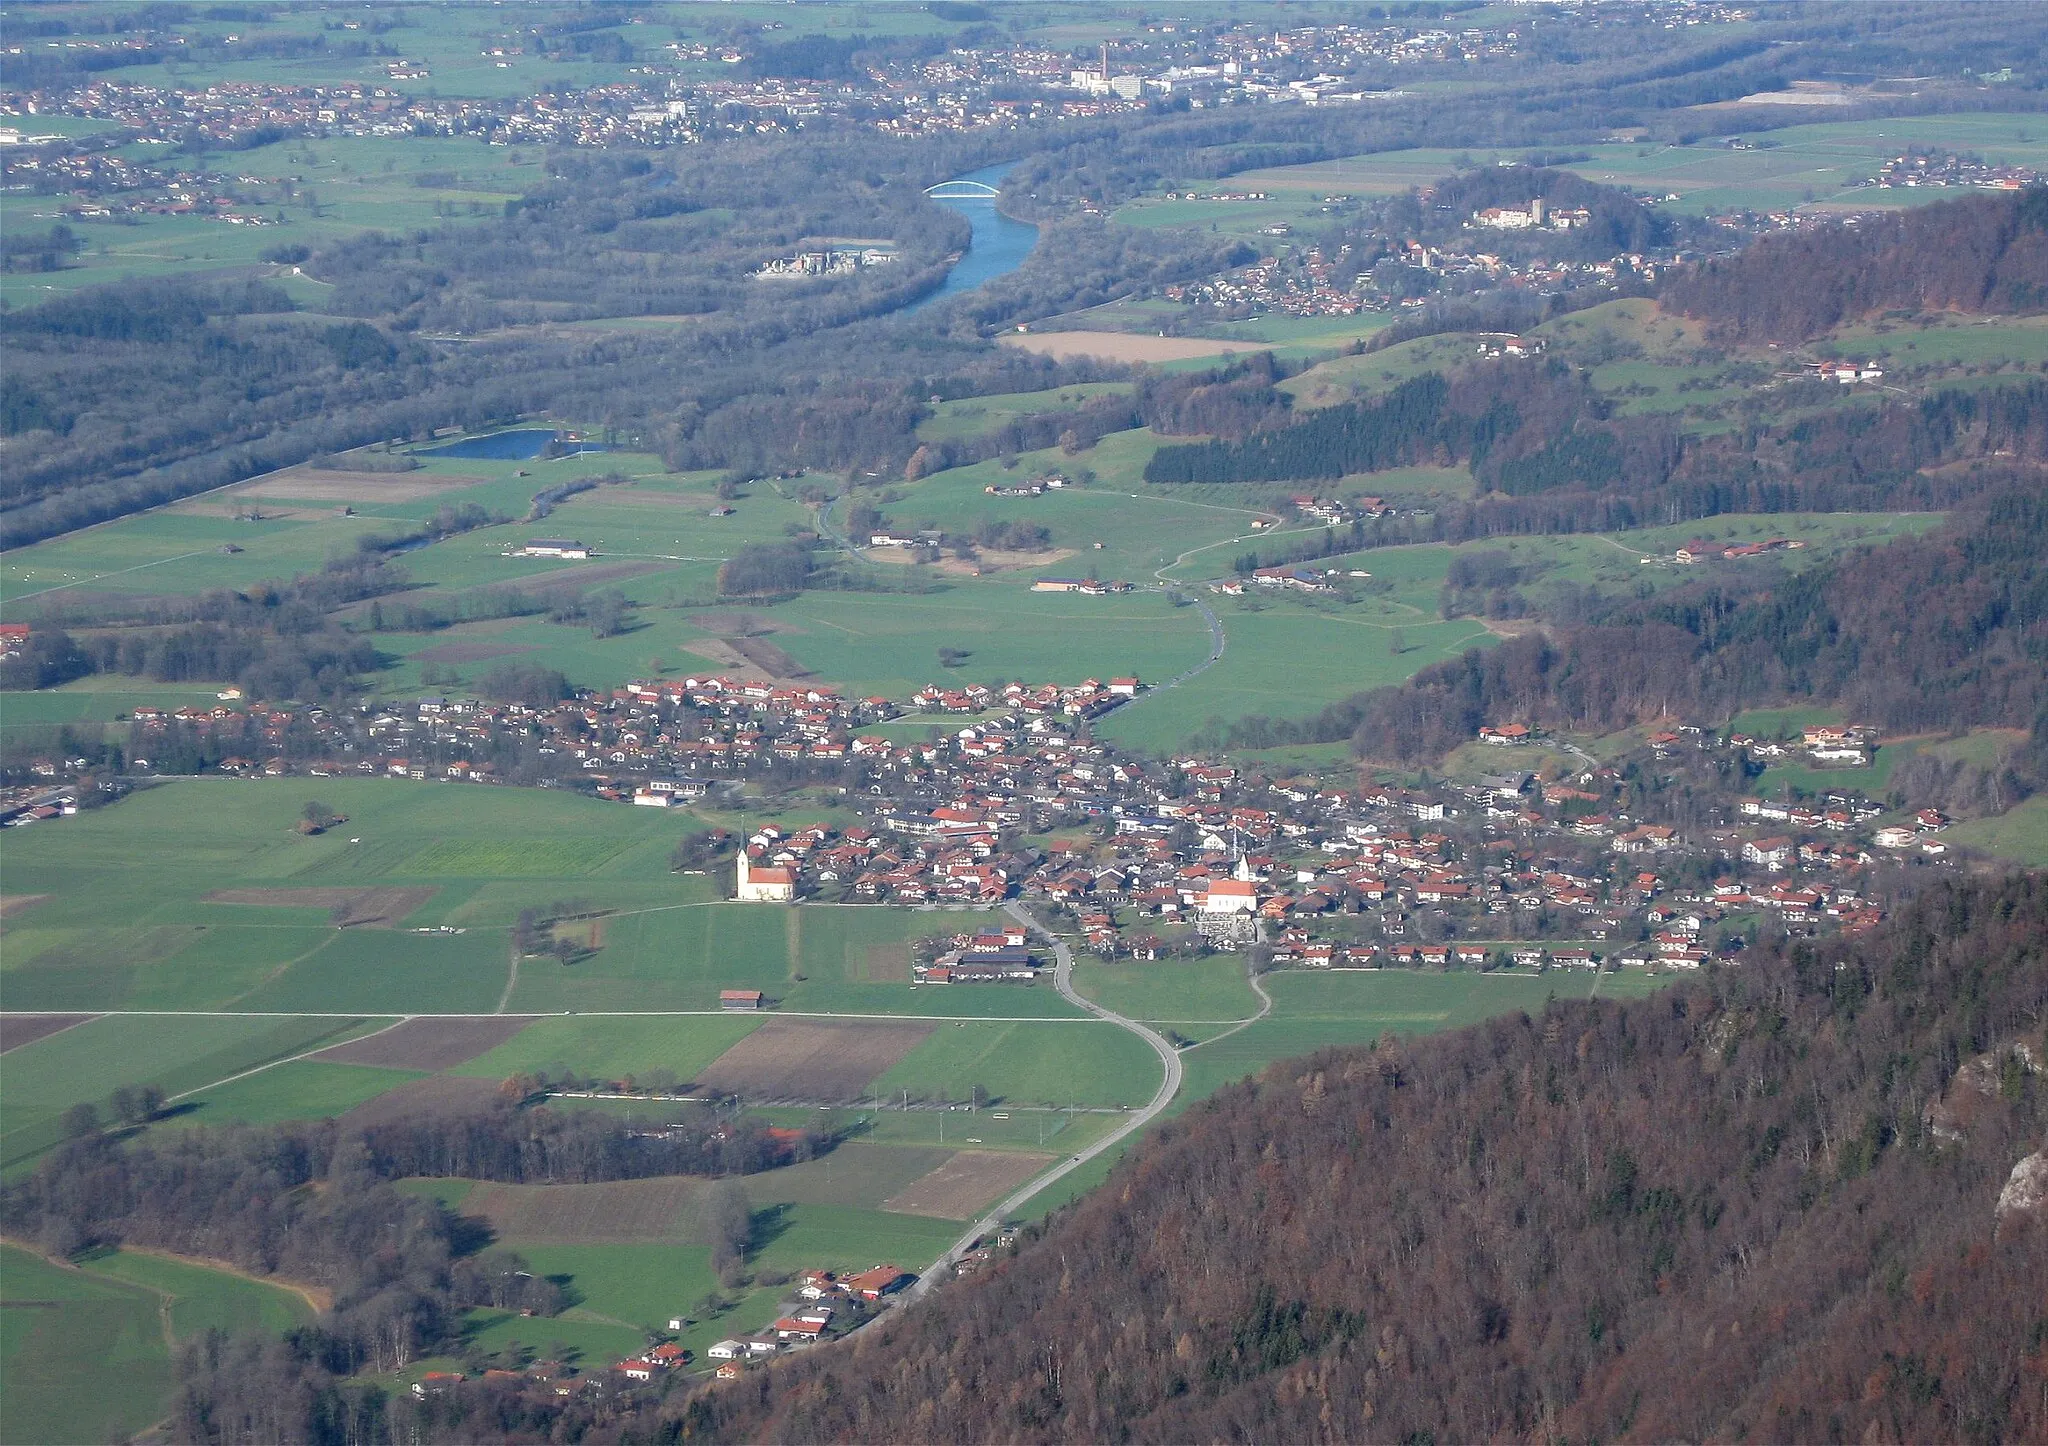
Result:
[975,416]
[1169,990]
[665,1209]
[633,1285]
[89,701]
[300,1089]
[887,644]
[1289,662]
[390,973]
[1061,1063]
[809,1059]
[182,549]
[2019,834]
[201,1297]
[814,958]
[1018,1127]
[857,1173]
[346,908]
[843,1238]
[368,489]
[579,1338]
[124,926]
[292,521]
[341,186]
[177,1054]
[1944,344]
[1118,526]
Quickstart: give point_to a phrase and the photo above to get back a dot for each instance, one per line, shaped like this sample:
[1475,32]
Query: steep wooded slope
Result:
[1762,1204]
[1980,254]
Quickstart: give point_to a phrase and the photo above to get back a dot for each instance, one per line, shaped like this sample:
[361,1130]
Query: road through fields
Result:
[1169,1086]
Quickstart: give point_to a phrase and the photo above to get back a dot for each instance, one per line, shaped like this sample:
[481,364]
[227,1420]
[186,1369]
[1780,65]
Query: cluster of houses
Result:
[1827,745]
[996,956]
[1301,283]
[1502,345]
[1090,698]
[1085,586]
[37,803]
[1950,169]
[1035,487]
[1847,373]
[823,1304]
[1335,511]
[1514,872]
[1148,859]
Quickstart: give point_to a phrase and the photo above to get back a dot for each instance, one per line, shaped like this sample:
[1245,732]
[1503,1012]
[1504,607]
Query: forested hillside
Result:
[1982,254]
[1765,1205]
[1947,630]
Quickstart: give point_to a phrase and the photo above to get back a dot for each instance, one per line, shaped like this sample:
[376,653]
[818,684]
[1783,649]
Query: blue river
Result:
[999,245]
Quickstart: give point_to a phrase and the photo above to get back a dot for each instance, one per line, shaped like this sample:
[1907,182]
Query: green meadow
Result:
[2019,835]
[300,1089]
[1169,991]
[613,1047]
[39,1081]
[86,1350]
[84,1356]
[1087,1064]
[201,1298]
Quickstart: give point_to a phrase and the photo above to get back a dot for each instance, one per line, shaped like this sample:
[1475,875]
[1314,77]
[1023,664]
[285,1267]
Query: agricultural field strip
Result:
[119,572]
[273,1064]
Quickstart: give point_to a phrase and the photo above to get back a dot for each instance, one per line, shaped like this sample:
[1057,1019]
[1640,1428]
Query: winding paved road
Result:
[1063,980]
